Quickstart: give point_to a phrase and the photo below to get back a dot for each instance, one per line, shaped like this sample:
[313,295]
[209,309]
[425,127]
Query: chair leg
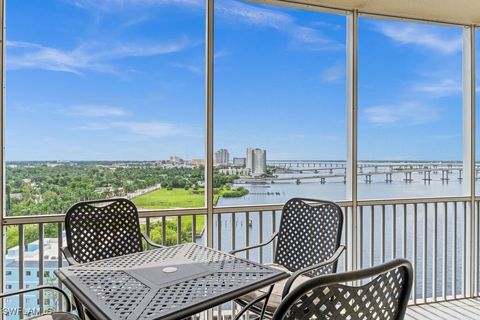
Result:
[265,297]
[89,316]
[266,302]
[79,307]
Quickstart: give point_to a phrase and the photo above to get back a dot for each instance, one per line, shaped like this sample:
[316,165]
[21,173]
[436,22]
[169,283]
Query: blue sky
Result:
[124,80]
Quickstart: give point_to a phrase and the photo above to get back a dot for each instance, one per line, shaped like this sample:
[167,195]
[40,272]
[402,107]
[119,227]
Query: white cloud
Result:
[91,56]
[411,113]
[112,5]
[147,129]
[441,88]
[97,55]
[222,53]
[421,35]
[152,129]
[311,38]
[236,11]
[188,67]
[25,55]
[334,73]
[95,111]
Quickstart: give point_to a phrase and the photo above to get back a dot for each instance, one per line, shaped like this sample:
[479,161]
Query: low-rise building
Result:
[31,276]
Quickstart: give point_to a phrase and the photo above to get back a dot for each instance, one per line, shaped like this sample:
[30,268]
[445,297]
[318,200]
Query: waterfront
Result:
[335,189]
[444,222]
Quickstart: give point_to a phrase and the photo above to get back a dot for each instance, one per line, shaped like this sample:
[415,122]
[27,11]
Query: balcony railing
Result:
[438,235]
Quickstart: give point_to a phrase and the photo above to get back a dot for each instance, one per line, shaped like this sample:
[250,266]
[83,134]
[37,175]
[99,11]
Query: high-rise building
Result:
[249,162]
[256,161]
[239,162]
[222,157]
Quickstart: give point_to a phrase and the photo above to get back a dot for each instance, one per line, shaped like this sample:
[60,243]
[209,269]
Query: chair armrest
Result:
[257,245]
[150,241]
[68,256]
[297,273]
[22,291]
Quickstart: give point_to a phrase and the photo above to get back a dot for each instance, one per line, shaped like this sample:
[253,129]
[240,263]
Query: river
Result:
[335,189]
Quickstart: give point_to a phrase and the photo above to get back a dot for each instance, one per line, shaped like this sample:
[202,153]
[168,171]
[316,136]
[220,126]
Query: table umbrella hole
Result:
[169,269]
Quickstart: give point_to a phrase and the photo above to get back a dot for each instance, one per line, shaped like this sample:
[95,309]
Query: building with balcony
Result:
[30,275]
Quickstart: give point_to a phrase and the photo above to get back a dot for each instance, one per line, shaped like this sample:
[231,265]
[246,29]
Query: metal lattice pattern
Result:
[308,235]
[194,253]
[377,300]
[196,290]
[137,259]
[117,288]
[216,259]
[134,286]
[96,232]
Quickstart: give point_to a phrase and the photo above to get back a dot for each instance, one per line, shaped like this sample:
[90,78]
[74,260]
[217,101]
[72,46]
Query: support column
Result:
[469,153]
[2,149]
[352,118]
[209,53]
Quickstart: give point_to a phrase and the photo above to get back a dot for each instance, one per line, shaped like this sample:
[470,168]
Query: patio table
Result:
[166,283]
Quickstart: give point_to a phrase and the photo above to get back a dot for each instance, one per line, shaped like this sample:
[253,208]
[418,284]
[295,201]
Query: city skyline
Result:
[91,99]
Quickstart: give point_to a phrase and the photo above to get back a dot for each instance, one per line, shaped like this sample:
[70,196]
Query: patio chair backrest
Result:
[309,234]
[102,229]
[328,297]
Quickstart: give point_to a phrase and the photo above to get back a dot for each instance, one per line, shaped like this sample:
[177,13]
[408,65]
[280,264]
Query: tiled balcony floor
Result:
[465,309]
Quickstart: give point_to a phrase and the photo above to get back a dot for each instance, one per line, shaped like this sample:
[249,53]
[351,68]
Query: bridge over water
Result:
[322,170]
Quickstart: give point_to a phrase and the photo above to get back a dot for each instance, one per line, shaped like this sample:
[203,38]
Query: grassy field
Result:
[168,199]
[175,198]
[172,199]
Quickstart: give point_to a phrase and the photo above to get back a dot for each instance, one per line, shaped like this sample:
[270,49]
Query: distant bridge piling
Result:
[408,176]
[445,175]
[427,176]
[388,177]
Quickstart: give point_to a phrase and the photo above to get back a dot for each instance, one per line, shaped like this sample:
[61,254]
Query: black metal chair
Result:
[384,297]
[47,316]
[308,245]
[101,229]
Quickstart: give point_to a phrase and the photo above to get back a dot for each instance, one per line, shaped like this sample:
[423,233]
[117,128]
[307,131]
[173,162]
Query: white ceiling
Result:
[465,12]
